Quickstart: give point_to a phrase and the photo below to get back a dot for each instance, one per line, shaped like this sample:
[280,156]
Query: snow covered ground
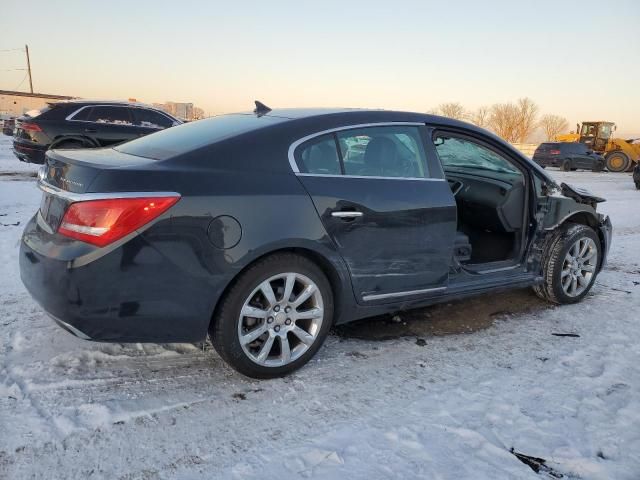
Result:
[448,405]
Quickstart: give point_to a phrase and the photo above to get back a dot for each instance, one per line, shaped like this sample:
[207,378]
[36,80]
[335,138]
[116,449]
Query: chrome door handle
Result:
[346,214]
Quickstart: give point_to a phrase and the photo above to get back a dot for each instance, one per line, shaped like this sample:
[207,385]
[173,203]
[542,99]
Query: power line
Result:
[23,79]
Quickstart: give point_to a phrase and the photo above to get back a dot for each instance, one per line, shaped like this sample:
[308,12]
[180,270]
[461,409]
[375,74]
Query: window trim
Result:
[69,117]
[294,146]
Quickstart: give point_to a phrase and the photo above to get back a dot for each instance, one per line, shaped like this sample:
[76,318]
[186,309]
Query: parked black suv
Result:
[84,124]
[568,156]
[266,229]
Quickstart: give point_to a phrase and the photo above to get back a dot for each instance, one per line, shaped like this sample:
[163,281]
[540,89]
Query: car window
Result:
[462,153]
[143,117]
[111,115]
[383,152]
[190,136]
[320,156]
[82,114]
[579,148]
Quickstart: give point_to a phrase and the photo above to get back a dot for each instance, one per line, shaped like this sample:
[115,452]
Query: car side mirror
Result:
[589,152]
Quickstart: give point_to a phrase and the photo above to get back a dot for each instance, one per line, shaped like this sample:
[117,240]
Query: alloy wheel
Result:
[281,319]
[579,266]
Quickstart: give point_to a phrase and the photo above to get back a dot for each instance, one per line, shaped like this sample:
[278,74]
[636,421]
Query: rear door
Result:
[392,217]
[110,124]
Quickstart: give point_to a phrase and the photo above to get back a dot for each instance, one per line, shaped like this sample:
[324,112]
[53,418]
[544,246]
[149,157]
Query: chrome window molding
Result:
[69,117]
[370,177]
[83,197]
[297,143]
[381,296]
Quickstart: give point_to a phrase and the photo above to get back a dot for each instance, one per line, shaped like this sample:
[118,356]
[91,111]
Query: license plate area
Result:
[52,210]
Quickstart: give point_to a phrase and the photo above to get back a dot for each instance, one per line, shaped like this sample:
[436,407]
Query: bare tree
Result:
[553,125]
[480,116]
[451,110]
[527,119]
[514,122]
[503,120]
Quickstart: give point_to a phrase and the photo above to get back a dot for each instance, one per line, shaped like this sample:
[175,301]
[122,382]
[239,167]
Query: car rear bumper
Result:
[29,153]
[130,294]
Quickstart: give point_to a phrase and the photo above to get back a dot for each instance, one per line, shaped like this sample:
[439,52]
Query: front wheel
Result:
[569,264]
[618,162]
[274,318]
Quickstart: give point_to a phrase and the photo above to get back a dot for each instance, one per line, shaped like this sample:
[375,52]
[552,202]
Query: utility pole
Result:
[26,49]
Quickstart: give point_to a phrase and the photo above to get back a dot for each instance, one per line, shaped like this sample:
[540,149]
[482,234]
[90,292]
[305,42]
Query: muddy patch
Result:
[463,316]
[18,175]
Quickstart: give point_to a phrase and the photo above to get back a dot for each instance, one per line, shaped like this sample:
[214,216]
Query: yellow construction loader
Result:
[620,154]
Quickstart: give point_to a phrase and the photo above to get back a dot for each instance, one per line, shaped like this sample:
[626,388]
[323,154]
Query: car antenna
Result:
[261,108]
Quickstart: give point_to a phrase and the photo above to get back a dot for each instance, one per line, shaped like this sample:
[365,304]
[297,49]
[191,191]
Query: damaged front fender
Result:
[568,203]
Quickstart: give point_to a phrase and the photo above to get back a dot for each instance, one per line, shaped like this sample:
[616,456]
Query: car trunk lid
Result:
[68,174]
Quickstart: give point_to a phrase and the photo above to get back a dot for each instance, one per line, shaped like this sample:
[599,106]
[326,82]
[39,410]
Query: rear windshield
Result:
[36,112]
[190,136]
[549,146]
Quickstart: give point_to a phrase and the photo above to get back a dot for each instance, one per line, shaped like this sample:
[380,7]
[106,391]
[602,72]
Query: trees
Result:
[480,116]
[527,118]
[513,121]
[451,110]
[503,119]
[553,125]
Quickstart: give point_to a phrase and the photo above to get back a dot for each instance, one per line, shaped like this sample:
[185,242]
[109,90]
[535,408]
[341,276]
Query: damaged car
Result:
[264,229]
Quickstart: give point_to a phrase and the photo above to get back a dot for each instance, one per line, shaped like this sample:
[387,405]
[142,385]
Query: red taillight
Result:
[101,222]
[554,152]
[31,127]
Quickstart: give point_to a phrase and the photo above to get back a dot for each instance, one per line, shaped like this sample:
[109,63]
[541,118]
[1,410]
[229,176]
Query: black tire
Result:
[224,326]
[597,166]
[638,185]
[555,250]
[566,165]
[618,162]
[69,145]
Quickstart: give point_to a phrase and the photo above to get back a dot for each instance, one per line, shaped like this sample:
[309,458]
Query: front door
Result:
[392,221]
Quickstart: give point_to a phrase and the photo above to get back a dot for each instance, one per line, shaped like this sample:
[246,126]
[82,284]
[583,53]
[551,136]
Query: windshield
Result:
[461,153]
[604,131]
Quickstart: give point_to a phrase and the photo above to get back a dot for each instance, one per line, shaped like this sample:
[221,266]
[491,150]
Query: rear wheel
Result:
[566,165]
[69,144]
[618,162]
[569,264]
[274,318]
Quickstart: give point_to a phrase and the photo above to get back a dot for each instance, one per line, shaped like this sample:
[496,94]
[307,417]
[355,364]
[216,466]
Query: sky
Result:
[576,59]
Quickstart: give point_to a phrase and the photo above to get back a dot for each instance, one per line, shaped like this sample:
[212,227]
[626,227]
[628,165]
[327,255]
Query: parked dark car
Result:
[8,125]
[265,229]
[84,124]
[568,156]
[636,175]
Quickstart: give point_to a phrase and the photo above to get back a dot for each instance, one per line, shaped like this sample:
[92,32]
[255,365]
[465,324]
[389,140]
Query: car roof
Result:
[351,115]
[80,102]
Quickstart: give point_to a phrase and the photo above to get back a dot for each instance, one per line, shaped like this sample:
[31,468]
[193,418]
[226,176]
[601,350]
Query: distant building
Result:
[14,104]
[185,111]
